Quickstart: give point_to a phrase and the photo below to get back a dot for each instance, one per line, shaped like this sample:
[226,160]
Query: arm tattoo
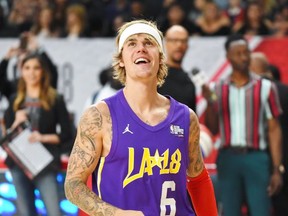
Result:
[83,157]
[196,162]
[90,202]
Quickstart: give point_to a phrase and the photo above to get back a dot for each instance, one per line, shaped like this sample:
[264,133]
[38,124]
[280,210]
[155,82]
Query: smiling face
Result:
[32,72]
[140,57]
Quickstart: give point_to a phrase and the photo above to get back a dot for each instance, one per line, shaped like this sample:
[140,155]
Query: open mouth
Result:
[141,61]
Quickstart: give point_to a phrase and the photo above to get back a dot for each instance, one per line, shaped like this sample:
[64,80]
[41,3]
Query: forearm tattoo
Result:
[196,162]
[82,158]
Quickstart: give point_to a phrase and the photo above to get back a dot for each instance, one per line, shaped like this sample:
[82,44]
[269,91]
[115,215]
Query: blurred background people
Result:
[279,21]
[176,15]
[45,26]
[255,22]
[109,87]
[235,11]
[60,8]
[196,10]
[213,22]
[76,22]
[27,43]
[260,65]
[245,169]
[45,109]
[19,16]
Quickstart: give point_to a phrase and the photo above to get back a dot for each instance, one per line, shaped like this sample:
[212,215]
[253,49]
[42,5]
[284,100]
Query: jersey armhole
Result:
[114,138]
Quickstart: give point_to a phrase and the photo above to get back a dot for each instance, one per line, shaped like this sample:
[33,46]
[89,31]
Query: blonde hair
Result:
[80,13]
[119,73]
[47,93]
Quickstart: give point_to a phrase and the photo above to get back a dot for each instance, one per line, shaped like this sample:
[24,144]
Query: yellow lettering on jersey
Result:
[165,168]
[175,162]
[148,162]
[128,179]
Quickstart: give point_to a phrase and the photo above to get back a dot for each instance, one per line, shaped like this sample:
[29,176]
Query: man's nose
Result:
[141,48]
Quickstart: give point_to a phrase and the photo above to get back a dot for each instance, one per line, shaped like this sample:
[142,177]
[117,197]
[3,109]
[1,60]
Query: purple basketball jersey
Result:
[146,167]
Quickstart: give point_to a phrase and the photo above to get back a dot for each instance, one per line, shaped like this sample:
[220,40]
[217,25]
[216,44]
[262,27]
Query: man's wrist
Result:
[212,99]
[279,169]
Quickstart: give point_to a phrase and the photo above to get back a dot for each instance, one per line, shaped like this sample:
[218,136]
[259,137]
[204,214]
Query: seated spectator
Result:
[45,27]
[60,7]
[111,30]
[176,16]
[5,30]
[254,21]
[213,22]
[197,10]
[153,8]
[222,4]
[235,12]
[95,16]
[279,24]
[137,10]
[112,10]
[23,14]
[76,22]
[267,6]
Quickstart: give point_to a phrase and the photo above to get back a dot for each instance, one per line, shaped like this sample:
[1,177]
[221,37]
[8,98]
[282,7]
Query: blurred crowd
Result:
[101,18]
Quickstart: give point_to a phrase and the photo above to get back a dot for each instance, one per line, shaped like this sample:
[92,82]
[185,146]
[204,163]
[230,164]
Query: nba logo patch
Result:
[176,130]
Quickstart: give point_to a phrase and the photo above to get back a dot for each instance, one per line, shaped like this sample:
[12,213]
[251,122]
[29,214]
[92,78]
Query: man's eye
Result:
[131,44]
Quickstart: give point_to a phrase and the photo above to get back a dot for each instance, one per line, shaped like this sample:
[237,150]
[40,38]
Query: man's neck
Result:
[140,97]
[148,105]
[240,78]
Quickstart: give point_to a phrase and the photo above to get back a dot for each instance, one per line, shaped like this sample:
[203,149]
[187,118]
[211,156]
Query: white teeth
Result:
[141,60]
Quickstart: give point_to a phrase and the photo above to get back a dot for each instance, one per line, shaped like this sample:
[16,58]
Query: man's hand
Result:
[276,183]
[12,52]
[206,92]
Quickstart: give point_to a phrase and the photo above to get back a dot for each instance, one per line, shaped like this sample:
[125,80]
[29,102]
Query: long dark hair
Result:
[47,93]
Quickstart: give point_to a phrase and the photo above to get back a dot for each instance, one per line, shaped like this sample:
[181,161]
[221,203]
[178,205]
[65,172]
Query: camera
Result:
[23,42]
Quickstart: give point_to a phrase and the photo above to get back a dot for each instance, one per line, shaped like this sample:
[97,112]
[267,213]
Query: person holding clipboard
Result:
[37,102]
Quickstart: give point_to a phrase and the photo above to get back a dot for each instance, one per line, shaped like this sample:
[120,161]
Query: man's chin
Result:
[177,60]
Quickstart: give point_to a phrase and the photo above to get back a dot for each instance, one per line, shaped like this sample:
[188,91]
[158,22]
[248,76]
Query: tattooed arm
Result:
[196,163]
[94,127]
[199,184]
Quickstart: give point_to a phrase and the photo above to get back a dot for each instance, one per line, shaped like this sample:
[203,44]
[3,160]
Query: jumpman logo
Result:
[127,130]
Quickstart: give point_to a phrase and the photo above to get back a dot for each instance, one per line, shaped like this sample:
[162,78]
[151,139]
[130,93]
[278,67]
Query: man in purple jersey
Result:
[141,148]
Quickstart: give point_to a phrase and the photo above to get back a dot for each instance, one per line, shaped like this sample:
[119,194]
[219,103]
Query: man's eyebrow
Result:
[130,39]
[147,38]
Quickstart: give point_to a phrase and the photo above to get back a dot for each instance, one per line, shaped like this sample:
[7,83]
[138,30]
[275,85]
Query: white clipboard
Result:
[31,157]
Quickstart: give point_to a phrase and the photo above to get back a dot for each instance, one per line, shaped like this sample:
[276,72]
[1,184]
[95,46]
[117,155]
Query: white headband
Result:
[138,28]
[238,42]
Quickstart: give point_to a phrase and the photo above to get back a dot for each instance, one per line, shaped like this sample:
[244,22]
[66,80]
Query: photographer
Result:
[27,44]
